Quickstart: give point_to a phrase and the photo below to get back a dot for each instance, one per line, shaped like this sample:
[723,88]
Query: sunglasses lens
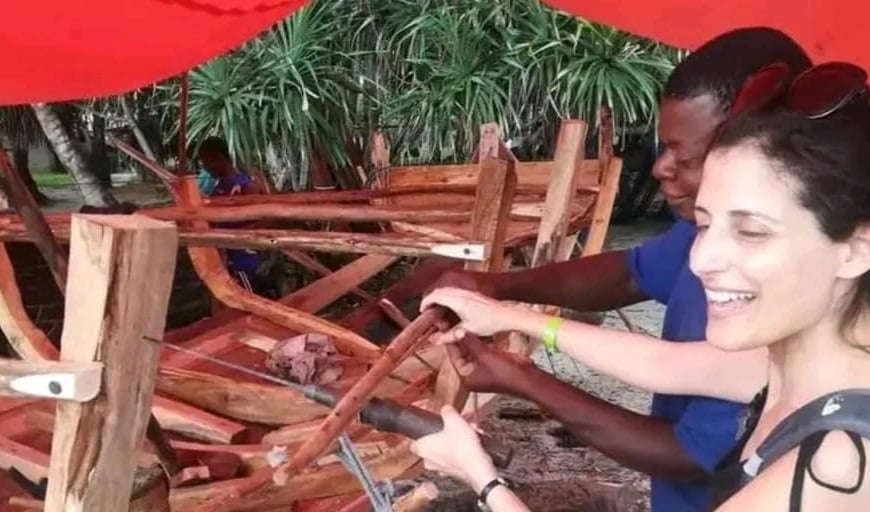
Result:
[760,88]
[826,88]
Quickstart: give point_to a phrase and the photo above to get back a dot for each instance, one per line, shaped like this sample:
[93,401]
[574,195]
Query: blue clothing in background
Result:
[205,182]
[706,427]
[238,260]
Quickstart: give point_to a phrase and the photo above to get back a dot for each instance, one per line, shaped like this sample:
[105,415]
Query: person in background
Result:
[227,180]
[683,439]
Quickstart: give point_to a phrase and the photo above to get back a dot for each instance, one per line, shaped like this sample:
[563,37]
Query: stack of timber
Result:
[226,426]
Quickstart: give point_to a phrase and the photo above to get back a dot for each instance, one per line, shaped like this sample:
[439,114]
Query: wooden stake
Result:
[121,276]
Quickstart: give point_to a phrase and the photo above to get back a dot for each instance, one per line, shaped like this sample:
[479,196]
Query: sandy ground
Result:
[556,478]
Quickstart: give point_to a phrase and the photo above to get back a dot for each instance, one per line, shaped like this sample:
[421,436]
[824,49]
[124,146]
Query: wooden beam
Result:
[94,445]
[554,242]
[58,380]
[332,287]
[210,268]
[25,205]
[610,170]
[495,192]
[322,270]
[246,401]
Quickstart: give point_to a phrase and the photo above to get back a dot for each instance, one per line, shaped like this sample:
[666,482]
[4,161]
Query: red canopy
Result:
[53,50]
[836,31]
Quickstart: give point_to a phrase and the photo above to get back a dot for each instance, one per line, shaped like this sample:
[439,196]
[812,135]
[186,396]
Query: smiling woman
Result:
[783,253]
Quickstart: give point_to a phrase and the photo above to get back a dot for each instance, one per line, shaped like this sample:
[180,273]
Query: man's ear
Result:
[856,261]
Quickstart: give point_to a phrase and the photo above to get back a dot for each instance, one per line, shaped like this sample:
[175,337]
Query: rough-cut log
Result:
[94,444]
[25,204]
[26,339]
[356,397]
[257,403]
[80,381]
[211,270]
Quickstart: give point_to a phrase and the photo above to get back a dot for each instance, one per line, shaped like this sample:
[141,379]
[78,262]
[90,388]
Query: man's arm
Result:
[595,283]
[640,442]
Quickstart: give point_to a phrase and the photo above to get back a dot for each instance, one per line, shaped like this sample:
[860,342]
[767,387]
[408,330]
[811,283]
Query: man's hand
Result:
[479,282]
[486,369]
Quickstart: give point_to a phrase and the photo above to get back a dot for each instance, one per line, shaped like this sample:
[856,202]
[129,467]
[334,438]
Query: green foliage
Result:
[428,71]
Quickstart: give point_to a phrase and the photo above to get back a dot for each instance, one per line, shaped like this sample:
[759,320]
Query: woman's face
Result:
[767,269]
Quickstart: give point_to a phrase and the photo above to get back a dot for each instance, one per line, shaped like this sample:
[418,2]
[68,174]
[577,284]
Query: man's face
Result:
[686,129]
[214,163]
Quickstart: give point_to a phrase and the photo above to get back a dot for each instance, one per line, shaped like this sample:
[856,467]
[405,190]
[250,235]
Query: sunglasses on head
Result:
[815,93]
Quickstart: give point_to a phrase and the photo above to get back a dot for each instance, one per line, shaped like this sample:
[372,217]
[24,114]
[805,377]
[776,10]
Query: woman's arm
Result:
[696,368]
[456,451]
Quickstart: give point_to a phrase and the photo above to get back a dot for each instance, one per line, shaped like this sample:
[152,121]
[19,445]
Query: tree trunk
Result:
[98,159]
[94,192]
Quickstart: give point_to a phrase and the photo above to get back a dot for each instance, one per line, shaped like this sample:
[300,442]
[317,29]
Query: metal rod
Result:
[227,364]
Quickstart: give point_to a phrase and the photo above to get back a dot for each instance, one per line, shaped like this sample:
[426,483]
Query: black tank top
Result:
[847,410]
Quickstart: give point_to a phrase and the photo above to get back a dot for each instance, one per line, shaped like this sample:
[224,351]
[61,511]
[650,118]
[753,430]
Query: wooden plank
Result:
[94,444]
[610,168]
[246,401]
[31,463]
[554,240]
[495,192]
[195,423]
[60,380]
[332,287]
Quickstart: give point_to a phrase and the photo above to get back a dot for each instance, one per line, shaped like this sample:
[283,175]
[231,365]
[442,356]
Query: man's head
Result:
[215,157]
[697,98]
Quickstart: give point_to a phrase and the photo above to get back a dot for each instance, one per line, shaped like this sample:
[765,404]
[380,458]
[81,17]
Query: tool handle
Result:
[413,422]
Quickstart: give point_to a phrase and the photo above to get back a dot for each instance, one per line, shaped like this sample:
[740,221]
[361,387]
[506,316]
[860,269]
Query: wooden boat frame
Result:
[485,214]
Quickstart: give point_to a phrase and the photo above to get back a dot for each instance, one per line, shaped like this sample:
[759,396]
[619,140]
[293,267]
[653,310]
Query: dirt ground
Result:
[552,477]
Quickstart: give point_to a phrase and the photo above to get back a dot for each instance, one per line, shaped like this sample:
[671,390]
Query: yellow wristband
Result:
[551,329]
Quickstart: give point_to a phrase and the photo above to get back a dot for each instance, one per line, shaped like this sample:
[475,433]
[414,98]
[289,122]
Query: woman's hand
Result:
[477,313]
[456,451]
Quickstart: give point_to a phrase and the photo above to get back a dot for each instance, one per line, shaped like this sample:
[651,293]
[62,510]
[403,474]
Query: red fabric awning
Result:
[52,50]
[832,30]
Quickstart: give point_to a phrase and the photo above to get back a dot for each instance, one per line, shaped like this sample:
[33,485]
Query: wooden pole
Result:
[121,270]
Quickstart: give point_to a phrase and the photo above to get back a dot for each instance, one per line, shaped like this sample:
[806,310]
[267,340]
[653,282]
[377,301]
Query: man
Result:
[684,437]
[226,180]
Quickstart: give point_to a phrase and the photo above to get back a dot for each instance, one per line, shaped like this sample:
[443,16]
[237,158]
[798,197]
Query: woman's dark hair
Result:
[830,160]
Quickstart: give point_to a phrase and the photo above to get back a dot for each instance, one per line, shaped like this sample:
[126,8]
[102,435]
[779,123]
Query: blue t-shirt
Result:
[706,427]
[239,260]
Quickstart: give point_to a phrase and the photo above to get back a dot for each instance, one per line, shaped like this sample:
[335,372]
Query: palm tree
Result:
[94,191]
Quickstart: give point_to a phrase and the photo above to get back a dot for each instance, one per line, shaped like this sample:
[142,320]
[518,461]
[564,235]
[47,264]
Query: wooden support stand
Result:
[120,277]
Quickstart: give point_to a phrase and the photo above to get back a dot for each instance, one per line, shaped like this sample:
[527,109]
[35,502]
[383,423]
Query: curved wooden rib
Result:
[28,340]
[209,267]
